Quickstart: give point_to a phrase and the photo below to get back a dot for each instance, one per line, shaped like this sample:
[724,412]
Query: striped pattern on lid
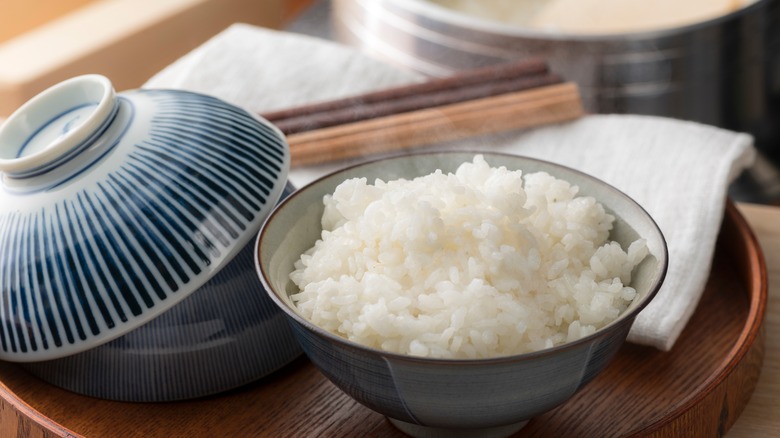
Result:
[118,251]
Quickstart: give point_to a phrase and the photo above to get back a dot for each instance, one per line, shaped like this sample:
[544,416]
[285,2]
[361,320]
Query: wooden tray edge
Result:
[728,391]
[29,422]
[725,393]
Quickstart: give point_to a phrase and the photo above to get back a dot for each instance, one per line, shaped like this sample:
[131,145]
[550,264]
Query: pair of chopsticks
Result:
[487,100]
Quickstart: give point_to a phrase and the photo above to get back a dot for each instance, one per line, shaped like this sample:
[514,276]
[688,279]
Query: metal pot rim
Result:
[454,18]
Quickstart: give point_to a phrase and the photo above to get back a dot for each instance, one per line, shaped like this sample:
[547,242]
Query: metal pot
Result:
[724,72]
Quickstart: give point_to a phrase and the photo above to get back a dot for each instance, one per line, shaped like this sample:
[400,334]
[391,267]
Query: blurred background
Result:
[724,71]
[43,42]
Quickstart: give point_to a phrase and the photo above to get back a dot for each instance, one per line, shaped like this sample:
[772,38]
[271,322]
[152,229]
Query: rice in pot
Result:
[479,263]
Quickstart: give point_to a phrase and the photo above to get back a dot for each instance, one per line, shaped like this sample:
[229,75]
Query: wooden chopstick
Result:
[503,112]
[411,102]
[492,99]
[519,70]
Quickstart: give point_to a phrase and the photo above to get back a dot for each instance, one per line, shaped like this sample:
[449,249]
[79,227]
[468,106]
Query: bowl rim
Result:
[627,317]
[449,16]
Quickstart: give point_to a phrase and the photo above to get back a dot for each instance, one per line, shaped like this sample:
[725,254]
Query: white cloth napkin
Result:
[678,171]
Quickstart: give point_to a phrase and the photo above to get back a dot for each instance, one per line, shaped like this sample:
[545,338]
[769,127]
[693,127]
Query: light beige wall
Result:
[125,40]
[19,16]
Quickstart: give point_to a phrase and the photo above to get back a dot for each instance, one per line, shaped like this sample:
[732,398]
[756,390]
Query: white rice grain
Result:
[483,262]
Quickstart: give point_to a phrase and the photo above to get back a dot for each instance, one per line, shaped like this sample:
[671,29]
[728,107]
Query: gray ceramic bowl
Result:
[431,396]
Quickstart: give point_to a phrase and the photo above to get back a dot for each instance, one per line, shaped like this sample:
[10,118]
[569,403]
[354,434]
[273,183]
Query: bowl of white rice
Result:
[456,290]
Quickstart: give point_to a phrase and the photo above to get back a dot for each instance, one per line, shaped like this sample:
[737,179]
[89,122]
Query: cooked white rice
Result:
[481,263]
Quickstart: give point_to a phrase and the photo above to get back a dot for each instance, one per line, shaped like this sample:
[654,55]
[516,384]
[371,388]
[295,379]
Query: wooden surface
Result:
[697,388]
[761,418]
[121,39]
[20,16]
[505,112]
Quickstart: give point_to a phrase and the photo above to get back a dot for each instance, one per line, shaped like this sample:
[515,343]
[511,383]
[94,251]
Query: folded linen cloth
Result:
[678,171]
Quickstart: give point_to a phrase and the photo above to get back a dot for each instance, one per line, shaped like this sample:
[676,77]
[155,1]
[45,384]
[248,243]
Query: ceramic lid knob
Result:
[51,127]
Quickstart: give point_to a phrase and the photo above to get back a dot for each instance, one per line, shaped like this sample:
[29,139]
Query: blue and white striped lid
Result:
[114,207]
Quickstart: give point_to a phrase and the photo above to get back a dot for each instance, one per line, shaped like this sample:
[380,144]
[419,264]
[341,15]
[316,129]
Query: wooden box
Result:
[125,40]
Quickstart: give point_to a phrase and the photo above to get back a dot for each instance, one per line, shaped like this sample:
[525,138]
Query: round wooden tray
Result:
[697,389]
